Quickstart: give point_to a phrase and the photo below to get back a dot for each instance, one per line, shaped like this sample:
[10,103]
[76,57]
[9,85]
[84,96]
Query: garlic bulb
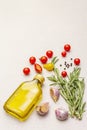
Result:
[54,93]
[61,114]
[43,109]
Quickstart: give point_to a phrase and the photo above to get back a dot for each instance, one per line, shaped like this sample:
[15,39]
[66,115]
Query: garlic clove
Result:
[43,109]
[54,93]
[61,114]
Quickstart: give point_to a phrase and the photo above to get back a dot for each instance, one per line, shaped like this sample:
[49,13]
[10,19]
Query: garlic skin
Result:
[54,93]
[43,109]
[61,114]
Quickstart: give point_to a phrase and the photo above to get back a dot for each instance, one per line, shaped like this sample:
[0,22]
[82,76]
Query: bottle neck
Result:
[40,78]
[37,81]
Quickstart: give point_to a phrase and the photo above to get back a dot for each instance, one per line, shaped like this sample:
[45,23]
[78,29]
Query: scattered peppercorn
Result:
[60,65]
[71,59]
[64,68]
[67,65]
[71,64]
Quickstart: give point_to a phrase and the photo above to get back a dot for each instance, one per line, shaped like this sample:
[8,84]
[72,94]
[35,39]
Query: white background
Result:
[30,27]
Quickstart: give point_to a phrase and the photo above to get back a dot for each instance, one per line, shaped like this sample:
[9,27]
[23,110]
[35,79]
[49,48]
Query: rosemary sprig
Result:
[72,90]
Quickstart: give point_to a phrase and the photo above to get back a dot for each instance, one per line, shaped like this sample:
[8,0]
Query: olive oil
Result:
[25,98]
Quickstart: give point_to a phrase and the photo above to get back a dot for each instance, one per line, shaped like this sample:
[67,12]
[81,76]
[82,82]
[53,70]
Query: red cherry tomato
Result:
[63,53]
[32,60]
[67,47]
[43,59]
[49,53]
[38,68]
[64,74]
[26,71]
[76,61]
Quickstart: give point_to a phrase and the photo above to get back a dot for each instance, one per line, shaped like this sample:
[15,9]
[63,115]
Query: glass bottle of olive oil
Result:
[25,98]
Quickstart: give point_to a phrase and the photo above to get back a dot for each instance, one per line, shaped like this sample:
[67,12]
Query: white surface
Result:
[30,28]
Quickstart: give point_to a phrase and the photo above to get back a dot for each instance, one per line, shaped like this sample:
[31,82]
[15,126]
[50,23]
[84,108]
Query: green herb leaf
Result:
[54,60]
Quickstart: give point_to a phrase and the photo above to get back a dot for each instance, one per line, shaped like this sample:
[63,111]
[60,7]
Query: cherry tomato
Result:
[76,61]
[67,47]
[43,59]
[32,60]
[64,74]
[38,68]
[63,53]
[49,53]
[26,71]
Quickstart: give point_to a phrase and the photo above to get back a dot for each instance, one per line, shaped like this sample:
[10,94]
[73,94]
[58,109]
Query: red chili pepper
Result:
[38,68]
